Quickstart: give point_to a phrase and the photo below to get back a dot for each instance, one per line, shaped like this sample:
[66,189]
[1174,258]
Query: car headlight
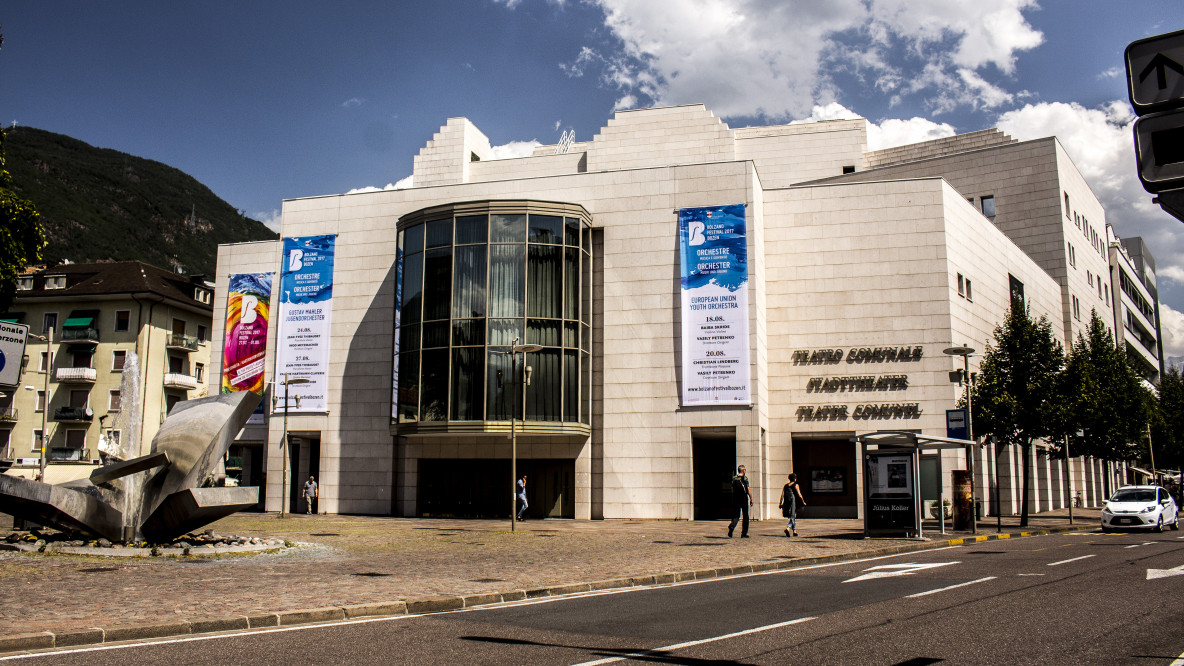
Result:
[1106,511]
[1149,509]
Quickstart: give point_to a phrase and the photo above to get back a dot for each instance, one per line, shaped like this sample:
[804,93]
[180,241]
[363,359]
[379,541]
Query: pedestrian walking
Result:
[310,493]
[741,500]
[791,499]
[522,497]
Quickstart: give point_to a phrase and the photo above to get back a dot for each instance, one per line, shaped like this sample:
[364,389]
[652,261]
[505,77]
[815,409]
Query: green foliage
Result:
[1101,396]
[103,205]
[21,238]
[1167,423]
[1017,375]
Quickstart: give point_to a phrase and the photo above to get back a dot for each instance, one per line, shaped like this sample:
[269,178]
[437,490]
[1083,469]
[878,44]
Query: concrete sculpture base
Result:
[153,497]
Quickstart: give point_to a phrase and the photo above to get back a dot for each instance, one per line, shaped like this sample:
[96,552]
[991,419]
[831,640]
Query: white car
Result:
[1140,507]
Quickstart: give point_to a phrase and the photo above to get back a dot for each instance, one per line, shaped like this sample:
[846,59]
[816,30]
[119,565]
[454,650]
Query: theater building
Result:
[692,297]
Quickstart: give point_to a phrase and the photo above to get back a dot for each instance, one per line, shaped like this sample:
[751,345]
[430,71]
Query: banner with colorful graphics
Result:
[248,309]
[713,244]
[306,306]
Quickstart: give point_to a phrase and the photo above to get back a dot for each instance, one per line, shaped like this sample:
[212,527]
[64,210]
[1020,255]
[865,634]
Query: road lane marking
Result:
[1152,574]
[678,646]
[1179,660]
[1029,574]
[889,570]
[1137,545]
[1083,557]
[951,587]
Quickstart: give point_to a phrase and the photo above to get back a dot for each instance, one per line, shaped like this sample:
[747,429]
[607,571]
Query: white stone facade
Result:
[892,256]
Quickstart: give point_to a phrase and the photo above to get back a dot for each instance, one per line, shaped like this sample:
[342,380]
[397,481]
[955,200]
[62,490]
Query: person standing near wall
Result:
[522,498]
[741,501]
[791,499]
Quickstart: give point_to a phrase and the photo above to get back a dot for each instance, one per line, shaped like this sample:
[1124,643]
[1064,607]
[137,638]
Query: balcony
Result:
[68,454]
[181,342]
[176,380]
[81,335]
[73,414]
[76,375]
[8,415]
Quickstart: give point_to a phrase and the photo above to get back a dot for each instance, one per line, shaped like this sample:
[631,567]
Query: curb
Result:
[43,640]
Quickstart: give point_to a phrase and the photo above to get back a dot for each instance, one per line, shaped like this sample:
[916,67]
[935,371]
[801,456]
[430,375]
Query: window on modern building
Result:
[969,290]
[970,200]
[961,286]
[849,168]
[199,372]
[114,400]
[40,404]
[1107,295]
[76,438]
[1072,259]
[36,446]
[118,358]
[988,204]
[1076,308]
[1100,287]
[1067,209]
[1017,291]
[123,320]
[55,282]
[24,284]
[1089,277]
[49,322]
[80,399]
[202,333]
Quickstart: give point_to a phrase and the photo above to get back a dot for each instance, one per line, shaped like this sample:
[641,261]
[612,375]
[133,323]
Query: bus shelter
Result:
[892,480]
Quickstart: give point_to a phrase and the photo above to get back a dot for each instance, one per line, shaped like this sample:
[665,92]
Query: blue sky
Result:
[266,100]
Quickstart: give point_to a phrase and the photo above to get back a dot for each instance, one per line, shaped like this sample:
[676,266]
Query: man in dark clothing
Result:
[741,500]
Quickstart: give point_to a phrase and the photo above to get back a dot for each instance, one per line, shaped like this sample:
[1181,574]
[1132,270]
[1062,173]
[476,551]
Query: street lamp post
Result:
[48,338]
[523,381]
[965,353]
[288,381]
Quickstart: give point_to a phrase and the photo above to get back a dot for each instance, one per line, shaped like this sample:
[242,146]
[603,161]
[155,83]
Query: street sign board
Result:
[1155,72]
[12,352]
[956,423]
[1159,145]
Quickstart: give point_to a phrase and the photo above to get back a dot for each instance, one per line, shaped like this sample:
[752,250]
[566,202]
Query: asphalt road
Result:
[1070,598]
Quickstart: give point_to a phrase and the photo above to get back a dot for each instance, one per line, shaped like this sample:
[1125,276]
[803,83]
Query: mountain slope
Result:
[98,204]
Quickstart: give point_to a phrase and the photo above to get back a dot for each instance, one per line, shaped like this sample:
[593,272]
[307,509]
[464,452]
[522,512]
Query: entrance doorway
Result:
[465,488]
[304,460]
[826,470]
[713,464]
[930,486]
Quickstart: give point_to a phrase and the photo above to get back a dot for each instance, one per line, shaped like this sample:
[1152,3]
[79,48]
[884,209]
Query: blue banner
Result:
[306,308]
[713,245]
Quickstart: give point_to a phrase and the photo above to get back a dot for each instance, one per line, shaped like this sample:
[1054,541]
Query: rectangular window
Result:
[199,372]
[1017,291]
[1067,214]
[55,282]
[36,439]
[80,399]
[1099,287]
[176,365]
[1107,295]
[969,291]
[44,366]
[40,406]
[114,400]
[1089,277]
[849,168]
[83,359]
[50,322]
[961,286]
[988,206]
[123,320]
[1072,259]
[178,327]
[202,333]
[24,284]
[76,439]
[118,358]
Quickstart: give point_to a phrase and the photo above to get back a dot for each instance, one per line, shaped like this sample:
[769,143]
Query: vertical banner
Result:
[244,349]
[713,244]
[306,306]
[398,322]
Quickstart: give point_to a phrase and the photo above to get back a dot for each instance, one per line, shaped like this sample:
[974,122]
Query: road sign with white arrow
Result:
[1155,72]
[902,569]
[1155,83]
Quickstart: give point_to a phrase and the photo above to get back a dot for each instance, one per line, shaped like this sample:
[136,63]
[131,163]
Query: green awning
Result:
[81,319]
[10,320]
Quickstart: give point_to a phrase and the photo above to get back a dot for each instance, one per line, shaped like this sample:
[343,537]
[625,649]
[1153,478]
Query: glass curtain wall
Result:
[469,284]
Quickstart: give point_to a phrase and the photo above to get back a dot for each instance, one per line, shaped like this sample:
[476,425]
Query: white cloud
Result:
[898,132]
[513,149]
[771,58]
[401,184]
[352,102]
[1112,73]
[270,218]
[1172,323]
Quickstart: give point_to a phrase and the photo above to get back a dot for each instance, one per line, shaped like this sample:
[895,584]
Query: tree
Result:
[21,237]
[1167,425]
[1016,380]
[1102,398]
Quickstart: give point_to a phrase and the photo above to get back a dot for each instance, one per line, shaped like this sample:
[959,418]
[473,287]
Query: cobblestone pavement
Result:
[342,560]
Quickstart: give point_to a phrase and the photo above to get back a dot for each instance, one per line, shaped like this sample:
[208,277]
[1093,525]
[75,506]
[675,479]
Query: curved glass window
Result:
[472,280]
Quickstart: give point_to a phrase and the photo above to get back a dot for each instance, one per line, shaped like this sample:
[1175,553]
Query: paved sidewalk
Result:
[387,565]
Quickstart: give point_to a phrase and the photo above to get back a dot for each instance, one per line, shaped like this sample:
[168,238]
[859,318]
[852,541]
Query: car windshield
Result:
[1134,496]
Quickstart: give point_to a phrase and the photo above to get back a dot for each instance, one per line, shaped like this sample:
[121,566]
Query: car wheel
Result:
[1176,523]
[1159,525]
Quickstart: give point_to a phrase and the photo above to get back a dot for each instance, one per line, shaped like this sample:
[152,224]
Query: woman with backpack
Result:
[791,499]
